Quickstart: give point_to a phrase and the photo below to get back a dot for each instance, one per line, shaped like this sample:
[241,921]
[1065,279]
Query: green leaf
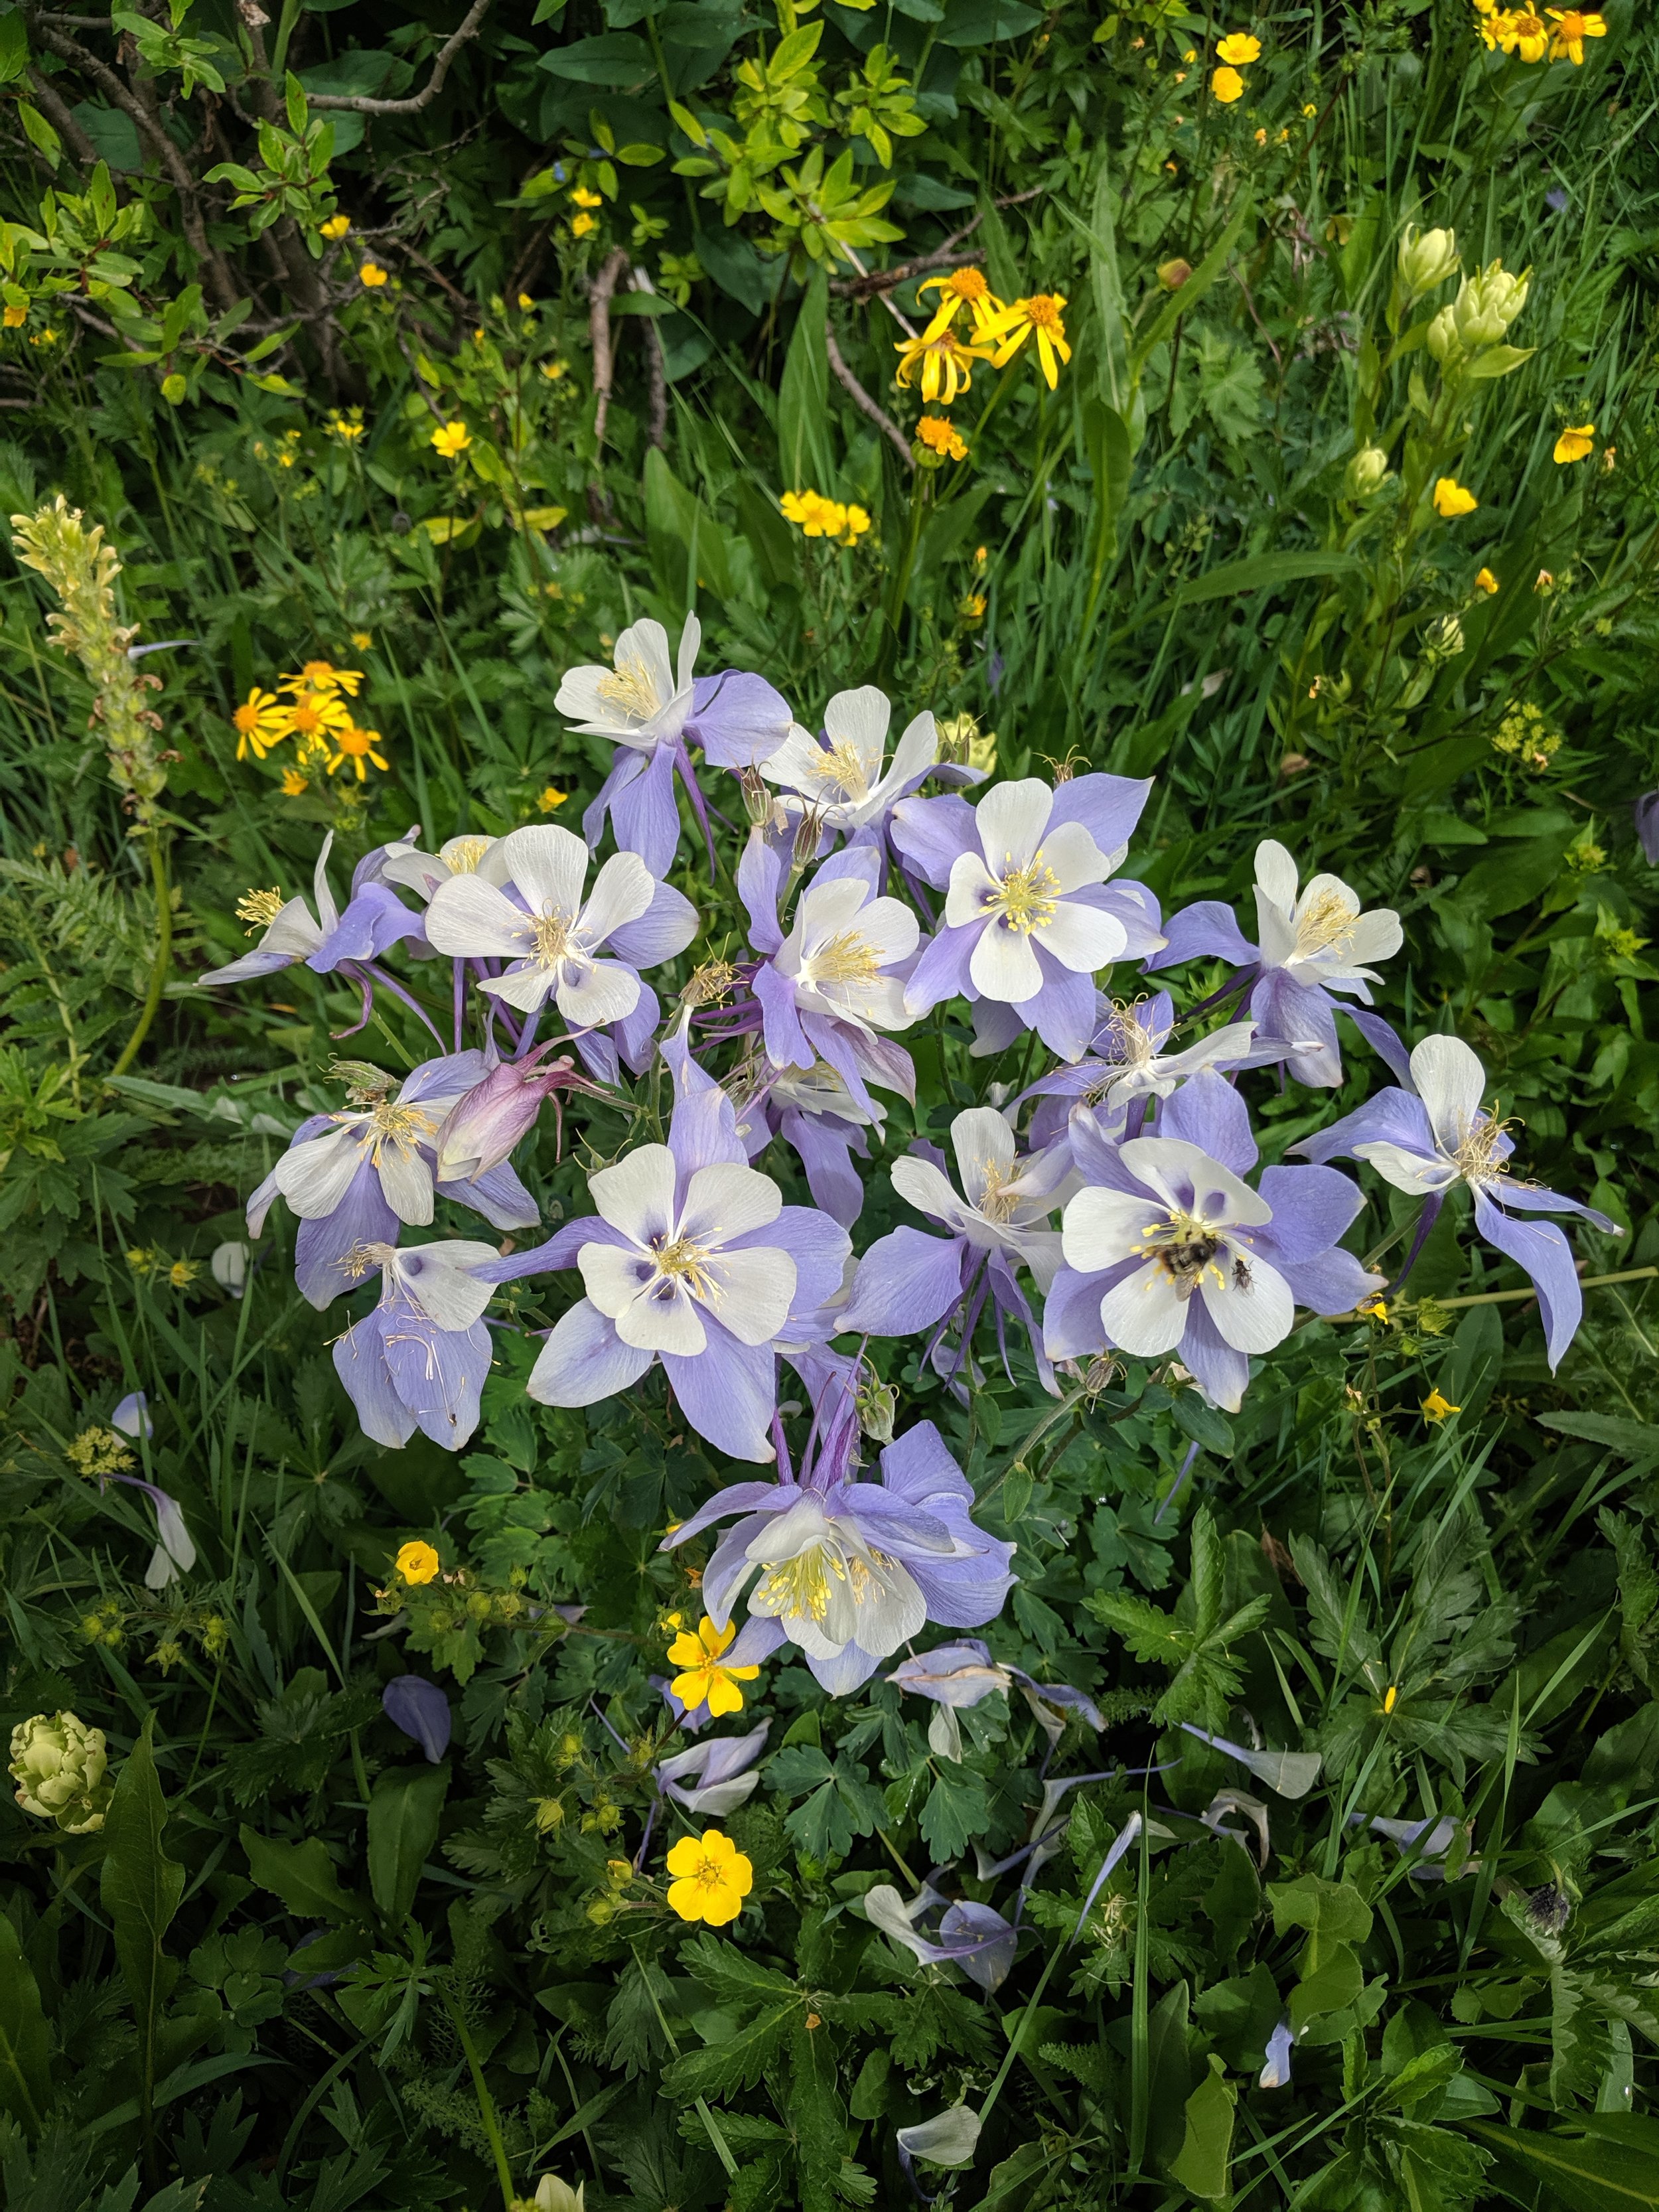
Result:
[804,461]
[1163,324]
[734,1980]
[1594,2172]
[1263,572]
[818,2115]
[1333,1912]
[301,1874]
[956,1810]
[1204,2165]
[404,1815]
[615,58]
[1630,1439]
[139,1888]
[26,2089]
[688,547]
[720,2070]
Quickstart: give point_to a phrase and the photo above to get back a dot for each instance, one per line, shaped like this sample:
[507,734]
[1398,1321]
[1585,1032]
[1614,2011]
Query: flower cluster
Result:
[1234,54]
[1559,34]
[1117,1208]
[815,516]
[314,707]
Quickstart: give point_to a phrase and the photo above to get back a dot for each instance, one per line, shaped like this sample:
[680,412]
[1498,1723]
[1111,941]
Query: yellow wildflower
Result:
[942,437]
[1572,26]
[703,1681]
[294,784]
[1574,442]
[1239,49]
[1451,499]
[943,363]
[1391,1695]
[552,370]
[549,798]
[315,718]
[356,746]
[336,227]
[818,517]
[1486,582]
[323,676]
[712,1878]
[417,1562]
[183,1273]
[581,225]
[1526,34]
[1041,313]
[362,641]
[343,428]
[1227,86]
[963,287]
[450,440]
[261,721]
[1496,27]
[14,317]
[1435,1408]
[372,275]
[582,197]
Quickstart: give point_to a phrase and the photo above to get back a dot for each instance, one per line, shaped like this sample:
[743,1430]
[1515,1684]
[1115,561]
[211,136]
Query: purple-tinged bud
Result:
[756,796]
[809,835]
[483,1127]
[421,1710]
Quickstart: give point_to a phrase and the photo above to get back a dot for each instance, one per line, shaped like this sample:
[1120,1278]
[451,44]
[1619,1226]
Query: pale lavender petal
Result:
[1206,1111]
[666,927]
[498,1194]
[132,1416]
[1302,1016]
[1222,1373]
[702,1131]
[760,877]
[421,1710]
[1206,930]
[933,835]
[785,1040]
[375,918]
[323,1247]
[438,1373]
[361,1366]
[1108,806]
[728,1392]
[1312,1208]
[1390,1117]
[559,1250]
[941,972]
[1540,1248]
[1384,1041]
[849,1670]
[1331,1282]
[627,767]
[825,1147]
[737,719]
[1063,1012]
[584,1360]
[644,817]
[906,1281]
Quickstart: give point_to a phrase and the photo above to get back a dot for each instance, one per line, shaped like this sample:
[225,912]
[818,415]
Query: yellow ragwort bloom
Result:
[356,746]
[295,785]
[1572,26]
[450,440]
[1435,1408]
[372,275]
[712,1879]
[1239,49]
[1526,34]
[323,676]
[1574,442]
[336,227]
[362,641]
[942,436]
[1451,499]
[418,1563]
[703,1681]
[315,718]
[1486,582]
[261,721]
[818,517]
[1496,27]
[943,363]
[962,288]
[1226,86]
[1040,313]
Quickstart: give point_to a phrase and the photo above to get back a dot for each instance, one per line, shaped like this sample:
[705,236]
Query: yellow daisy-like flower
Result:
[336,227]
[582,225]
[1239,49]
[712,1878]
[1574,442]
[582,197]
[355,747]
[1226,86]
[1572,26]
[943,363]
[1435,1408]
[315,718]
[550,798]
[963,287]
[526,305]
[450,440]
[418,1563]
[1486,582]
[1451,499]
[323,676]
[703,1681]
[261,721]
[1496,27]
[372,275]
[1526,34]
[1040,313]
[294,786]
[942,437]
[818,517]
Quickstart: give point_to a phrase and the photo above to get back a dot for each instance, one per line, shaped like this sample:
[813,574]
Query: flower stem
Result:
[163,961]
[889,646]
[487,2113]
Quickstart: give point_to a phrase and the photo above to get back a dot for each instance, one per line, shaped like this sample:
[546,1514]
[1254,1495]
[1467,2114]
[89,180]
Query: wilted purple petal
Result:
[421,1710]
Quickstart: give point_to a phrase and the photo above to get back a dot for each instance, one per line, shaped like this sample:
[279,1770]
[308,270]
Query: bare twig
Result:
[868,285]
[361,104]
[865,406]
[468,308]
[53,104]
[598,331]
[656,368]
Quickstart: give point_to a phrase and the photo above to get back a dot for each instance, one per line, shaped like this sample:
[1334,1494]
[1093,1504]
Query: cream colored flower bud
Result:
[553,2195]
[1487,303]
[1427,258]
[58,1765]
[1367,472]
[1443,340]
[1443,638]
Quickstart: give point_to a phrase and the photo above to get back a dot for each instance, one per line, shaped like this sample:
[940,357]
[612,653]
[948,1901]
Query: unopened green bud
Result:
[1487,303]
[1443,638]
[58,1765]
[877,1404]
[1442,340]
[1367,472]
[1427,258]
[756,796]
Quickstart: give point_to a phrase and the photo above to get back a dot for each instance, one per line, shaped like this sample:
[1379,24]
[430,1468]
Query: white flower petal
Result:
[1451,1083]
[592,993]
[1187,1177]
[636,1195]
[623,890]
[1073,858]
[916,749]
[406,1181]
[1081,938]
[1249,1302]
[971,885]
[526,987]
[750,1292]
[549,866]
[1012,819]
[1275,874]
[1146,1313]
[926,1186]
[652,1311]
[439,1280]
[315,1175]
[984,1146]
[1003,966]
[469,917]
[724,1201]
[1406,1170]
[1101,1227]
[859,720]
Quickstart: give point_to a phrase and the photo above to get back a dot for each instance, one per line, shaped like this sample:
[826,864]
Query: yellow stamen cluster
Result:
[259,909]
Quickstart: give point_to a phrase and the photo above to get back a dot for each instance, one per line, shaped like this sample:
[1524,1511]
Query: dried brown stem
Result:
[865,406]
[361,104]
[871,284]
[599,330]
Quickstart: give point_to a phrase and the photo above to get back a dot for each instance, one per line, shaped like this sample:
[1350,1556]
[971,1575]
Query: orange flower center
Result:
[1042,314]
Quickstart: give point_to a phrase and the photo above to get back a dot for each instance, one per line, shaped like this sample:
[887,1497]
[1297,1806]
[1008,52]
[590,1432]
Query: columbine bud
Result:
[756,797]
[555,2195]
[1427,259]
[877,1404]
[1443,638]
[483,1127]
[1442,339]
[1367,472]
[58,1763]
[1487,303]
[809,835]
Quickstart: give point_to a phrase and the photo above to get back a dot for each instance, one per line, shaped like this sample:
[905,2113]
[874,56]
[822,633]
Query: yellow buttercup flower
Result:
[417,1562]
[336,227]
[582,197]
[1435,1408]
[1239,49]
[581,225]
[549,798]
[1226,86]
[1041,314]
[450,440]
[261,721]
[943,362]
[942,437]
[1572,26]
[712,1878]
[703,1681]
[362,640]
[1451,499]
[14,318]
[526,305]
[355,747]
[1574,442]
[1486,582]
[372,275]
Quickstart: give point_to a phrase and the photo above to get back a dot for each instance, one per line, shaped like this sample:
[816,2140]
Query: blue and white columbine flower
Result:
[419,1360]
